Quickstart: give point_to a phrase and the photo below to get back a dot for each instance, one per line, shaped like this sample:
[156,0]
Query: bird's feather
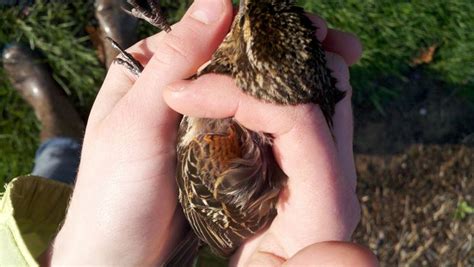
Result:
[224,181]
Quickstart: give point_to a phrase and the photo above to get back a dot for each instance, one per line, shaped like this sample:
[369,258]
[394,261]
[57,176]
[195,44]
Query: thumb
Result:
[177,56]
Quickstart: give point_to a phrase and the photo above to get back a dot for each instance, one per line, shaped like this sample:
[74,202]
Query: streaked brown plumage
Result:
[228,180]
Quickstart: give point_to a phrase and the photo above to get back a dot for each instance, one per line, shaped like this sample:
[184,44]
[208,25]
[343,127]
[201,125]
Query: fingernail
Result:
[207,11]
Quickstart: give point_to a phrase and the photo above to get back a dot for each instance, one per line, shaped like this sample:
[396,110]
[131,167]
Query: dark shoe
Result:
[33,80]
[116,24]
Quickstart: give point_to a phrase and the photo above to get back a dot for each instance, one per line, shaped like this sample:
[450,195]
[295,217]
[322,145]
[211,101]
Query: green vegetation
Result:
[463,210]
[57,30]
[394,33]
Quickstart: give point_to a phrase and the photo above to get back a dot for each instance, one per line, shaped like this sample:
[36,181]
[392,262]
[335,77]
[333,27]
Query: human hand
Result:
[319,203]
[124,209]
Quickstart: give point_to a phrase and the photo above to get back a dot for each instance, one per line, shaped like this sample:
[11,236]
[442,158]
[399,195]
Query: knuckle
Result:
[125,72]
[348,90]
[173,49]
[338,65]
[340,71]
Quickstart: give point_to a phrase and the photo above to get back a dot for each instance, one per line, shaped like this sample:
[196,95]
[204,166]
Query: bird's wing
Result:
[228,187]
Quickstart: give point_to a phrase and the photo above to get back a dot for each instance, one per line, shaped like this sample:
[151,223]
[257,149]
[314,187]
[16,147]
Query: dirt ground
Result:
[415,167]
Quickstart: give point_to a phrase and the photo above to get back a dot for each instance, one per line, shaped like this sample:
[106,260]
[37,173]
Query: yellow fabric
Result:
[31,211]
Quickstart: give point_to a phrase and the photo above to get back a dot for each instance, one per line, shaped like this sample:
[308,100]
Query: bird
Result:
[228,179]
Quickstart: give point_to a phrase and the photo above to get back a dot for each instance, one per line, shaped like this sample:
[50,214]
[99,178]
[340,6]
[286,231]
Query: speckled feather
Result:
[228,182]
[273,54]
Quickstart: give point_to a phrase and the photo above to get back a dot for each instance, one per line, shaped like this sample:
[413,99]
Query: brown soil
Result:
[415,167]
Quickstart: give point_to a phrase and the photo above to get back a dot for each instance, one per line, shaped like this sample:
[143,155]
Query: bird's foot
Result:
[150,11]
[128,60]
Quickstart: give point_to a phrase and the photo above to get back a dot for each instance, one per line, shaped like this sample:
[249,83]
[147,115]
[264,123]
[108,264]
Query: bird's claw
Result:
[128,60]
[149,11]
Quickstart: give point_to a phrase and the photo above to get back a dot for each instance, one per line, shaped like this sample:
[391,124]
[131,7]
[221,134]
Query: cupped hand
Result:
[124,209]
[319,202]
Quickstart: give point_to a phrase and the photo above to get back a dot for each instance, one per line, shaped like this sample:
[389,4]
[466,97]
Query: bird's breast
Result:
[191,128]
[221,147]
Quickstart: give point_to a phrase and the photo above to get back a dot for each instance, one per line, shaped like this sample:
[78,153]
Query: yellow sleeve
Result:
[31,211]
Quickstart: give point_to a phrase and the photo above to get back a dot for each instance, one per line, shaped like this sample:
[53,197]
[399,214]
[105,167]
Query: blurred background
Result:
[413,107]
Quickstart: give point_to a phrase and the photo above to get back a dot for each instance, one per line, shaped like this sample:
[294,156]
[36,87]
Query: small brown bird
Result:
[228,180]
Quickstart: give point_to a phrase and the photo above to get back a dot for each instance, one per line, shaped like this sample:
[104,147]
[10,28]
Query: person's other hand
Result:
[319,203]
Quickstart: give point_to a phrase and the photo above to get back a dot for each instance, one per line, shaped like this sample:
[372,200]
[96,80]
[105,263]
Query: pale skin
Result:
[124,209]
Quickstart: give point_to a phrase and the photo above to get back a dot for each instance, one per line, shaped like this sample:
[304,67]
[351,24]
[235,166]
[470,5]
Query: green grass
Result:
[57,30]
[393,33]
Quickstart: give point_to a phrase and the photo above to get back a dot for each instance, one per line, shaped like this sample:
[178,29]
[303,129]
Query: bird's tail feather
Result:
[185,254]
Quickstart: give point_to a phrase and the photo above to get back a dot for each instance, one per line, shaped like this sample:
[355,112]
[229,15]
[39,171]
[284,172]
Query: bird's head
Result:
[247,6]
[271,51]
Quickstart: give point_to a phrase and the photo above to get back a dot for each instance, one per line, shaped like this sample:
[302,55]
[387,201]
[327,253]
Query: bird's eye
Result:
[242,22]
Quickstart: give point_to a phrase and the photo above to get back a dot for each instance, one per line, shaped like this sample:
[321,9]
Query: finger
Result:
[317,196]
[321,26]
[217,96]
[177,56]
[308,155]
[119,79]
[333,254]
[343,129]
[345,44]
[322,174]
